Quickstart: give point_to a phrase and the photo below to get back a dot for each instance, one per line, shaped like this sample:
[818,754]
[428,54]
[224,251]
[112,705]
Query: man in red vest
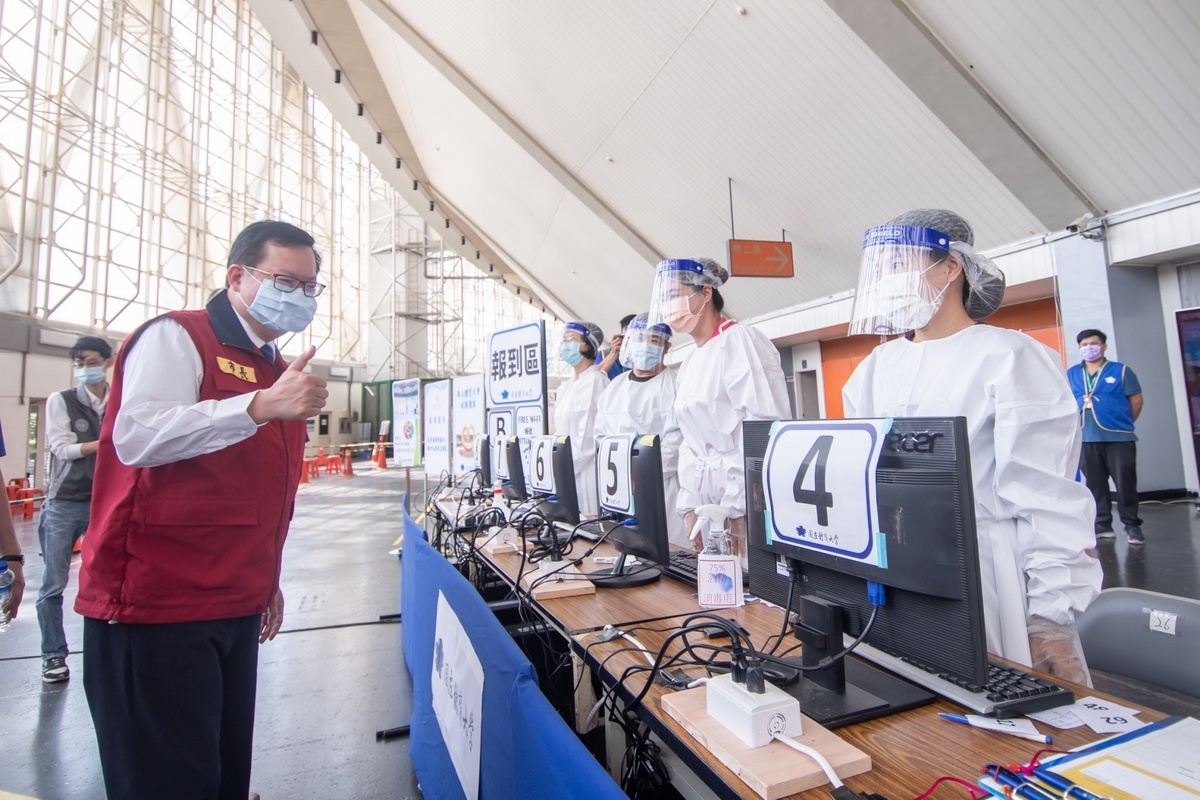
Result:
[199,458]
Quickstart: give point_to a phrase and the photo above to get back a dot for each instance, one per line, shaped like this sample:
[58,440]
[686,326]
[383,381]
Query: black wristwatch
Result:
[18,559]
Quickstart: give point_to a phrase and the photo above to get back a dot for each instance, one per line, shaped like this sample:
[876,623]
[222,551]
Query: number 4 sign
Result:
[819,479]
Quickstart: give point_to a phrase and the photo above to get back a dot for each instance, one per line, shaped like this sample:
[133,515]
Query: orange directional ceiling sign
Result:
[753,259]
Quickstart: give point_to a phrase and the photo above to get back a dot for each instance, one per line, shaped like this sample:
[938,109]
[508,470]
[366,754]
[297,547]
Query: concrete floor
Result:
[335,675]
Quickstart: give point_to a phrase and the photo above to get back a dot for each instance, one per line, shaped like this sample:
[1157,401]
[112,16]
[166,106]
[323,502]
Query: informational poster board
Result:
[516,381]
[436,427]
[406,423]
[466,420]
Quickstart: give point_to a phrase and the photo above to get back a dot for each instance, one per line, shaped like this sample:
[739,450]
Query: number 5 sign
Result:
[819,479]
[541,455]
[612,472]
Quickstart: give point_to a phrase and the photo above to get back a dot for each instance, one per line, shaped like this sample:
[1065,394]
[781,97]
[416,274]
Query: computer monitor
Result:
[552,479]
[515,488]
[643,529]
[933,614]
[483,452]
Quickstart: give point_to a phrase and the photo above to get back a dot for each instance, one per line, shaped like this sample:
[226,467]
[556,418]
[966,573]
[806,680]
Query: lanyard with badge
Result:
[1089,387]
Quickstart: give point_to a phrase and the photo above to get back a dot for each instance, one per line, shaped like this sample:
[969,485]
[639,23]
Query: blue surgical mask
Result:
[282,311]
[89,376]
[570,353]
[645,356]
[1091,352]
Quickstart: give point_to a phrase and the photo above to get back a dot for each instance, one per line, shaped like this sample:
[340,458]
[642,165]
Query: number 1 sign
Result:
[819,479]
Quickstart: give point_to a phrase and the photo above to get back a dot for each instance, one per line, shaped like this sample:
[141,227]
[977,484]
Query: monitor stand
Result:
[848,690]
[620,578]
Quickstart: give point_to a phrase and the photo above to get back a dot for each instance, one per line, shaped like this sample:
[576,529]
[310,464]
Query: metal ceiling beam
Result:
[569,180]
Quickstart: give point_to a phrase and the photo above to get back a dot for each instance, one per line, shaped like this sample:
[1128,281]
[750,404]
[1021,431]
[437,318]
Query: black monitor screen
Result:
[565,507]
[643,533]
[934,609]
[515,487]
[483,450]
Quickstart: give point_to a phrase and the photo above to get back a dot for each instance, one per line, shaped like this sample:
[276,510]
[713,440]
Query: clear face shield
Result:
[644,345]
[677,299]
[893,295]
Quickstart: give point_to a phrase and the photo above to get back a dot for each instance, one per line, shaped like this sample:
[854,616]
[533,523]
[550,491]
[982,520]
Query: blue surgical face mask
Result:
[281,311]
[89,376]
[1091,352]
[645,356]
[570,353]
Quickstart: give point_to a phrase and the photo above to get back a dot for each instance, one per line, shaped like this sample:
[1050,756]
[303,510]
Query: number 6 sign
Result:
[819,479]
[541,473]
[612,472]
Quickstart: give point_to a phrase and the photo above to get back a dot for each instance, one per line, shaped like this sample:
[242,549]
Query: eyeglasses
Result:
[287,284]
[87,362]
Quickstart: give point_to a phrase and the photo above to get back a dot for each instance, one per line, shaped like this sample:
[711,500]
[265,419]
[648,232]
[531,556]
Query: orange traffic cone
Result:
[347,464]
[304,472]
[380,454]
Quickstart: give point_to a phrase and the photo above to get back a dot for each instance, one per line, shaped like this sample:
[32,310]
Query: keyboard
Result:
[1010,692]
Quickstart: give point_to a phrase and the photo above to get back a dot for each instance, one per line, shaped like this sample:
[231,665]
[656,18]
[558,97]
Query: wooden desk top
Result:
[659,600]
[909,750]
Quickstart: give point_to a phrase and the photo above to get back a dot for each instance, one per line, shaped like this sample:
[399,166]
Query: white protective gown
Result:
[1034,520]
[734,377]
[575,416]
[632,406]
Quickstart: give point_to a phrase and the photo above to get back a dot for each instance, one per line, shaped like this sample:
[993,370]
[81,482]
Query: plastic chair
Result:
[1129,632]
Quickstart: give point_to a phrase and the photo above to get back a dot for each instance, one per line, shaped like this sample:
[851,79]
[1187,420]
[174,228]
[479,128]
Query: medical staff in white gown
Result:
[1033,518]
[732,375]
[575,406]
[641,400]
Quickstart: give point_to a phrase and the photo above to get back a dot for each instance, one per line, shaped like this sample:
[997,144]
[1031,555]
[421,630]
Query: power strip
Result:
[754,718]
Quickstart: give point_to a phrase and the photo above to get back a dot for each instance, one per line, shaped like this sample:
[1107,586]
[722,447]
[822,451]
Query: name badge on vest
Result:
[235,369]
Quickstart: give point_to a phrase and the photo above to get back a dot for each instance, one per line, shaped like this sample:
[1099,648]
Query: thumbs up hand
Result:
[296,395]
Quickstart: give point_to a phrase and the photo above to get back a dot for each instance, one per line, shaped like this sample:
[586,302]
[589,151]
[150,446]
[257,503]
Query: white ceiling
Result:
[583,140]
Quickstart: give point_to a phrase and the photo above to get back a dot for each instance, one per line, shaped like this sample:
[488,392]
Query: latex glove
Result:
[689,522]
[1055,648]
[737,537]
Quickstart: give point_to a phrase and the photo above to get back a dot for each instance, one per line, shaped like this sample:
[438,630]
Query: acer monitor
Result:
[642,532]
[933,612]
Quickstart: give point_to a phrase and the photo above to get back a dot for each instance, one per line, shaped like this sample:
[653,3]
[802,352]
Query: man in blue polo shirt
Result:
[1110,400]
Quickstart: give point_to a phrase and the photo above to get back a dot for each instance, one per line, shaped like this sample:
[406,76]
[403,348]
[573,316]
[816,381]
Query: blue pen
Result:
[1069,790]
[1033,737]
[1020,787]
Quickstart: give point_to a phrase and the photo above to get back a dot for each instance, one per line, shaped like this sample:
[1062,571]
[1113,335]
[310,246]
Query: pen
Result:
[1033,737]
[1069,790]
[1020,787]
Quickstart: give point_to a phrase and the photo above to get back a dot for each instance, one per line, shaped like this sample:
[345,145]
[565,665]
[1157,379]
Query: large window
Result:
[137,137]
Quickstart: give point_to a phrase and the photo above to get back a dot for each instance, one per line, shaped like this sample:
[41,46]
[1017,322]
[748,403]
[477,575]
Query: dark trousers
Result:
[173,706]
[1101,460]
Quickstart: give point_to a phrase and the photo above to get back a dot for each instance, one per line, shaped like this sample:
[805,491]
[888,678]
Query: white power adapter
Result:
[754,718]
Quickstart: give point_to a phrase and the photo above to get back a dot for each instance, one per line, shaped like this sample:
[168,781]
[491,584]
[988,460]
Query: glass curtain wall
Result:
[137,137]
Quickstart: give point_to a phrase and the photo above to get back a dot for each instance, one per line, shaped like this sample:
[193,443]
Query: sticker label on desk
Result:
[613,469]
[1162,622]
[541,464]
[819,480]
[457,688]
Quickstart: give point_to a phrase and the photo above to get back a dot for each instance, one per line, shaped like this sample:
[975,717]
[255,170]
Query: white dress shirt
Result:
[61,439]
[162,419]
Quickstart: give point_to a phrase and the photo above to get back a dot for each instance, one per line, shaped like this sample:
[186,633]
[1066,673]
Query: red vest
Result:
[199,539]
